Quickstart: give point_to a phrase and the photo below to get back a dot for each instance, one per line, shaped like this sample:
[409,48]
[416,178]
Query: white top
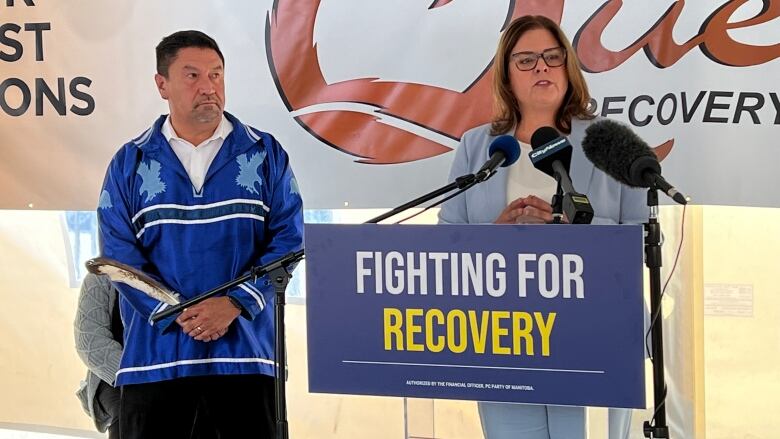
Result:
[523,179]
[197,159]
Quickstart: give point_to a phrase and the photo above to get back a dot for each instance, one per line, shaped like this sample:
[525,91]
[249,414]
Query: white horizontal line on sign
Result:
[466,366]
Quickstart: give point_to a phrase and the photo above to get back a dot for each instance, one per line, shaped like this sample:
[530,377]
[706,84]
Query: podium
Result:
[529,314]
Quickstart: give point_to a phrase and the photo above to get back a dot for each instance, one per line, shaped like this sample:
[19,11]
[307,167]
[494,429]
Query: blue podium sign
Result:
[548,314]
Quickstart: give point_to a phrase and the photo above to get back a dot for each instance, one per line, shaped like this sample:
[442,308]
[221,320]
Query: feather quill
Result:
[123,273]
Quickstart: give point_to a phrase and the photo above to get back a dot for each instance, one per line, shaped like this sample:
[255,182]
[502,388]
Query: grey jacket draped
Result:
[95,343]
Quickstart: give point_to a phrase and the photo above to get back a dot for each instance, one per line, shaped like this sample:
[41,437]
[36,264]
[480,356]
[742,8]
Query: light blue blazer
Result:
[612,202]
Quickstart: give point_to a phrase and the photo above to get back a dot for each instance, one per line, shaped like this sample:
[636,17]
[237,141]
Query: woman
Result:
[537,83]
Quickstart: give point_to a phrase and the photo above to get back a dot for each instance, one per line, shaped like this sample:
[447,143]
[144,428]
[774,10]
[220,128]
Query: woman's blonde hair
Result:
[576,102]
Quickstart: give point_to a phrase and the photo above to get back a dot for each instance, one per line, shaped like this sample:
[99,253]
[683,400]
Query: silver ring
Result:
[199,329]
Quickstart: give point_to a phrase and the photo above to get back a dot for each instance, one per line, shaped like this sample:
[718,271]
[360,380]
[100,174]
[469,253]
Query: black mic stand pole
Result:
[280,276]
[557,202]
[658,428]
[254,272]
[463,182]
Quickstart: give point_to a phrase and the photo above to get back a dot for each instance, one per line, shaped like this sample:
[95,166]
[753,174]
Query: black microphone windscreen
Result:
[543,135]
[613,148]
[508,145]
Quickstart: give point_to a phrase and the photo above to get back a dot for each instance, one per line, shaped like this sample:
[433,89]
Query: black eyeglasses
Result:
[554,57]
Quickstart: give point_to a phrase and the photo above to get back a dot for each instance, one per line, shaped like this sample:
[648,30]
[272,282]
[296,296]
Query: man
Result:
[195,201]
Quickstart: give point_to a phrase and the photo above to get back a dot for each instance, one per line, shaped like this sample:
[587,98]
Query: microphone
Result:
[504,151]
[551,154]
[617,150]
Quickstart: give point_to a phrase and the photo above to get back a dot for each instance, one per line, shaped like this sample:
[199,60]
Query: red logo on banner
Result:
[659,45]
[299,79]
[301,83]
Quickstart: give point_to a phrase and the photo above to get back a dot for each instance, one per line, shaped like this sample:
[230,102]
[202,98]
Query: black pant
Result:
[109,399]
[113,430]
[238,406]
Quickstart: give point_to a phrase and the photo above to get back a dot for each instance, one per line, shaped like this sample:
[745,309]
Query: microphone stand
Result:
[280,276]
[656,428]
[254,273]
[557,204]
[463,182]
[576,205]
[278,272]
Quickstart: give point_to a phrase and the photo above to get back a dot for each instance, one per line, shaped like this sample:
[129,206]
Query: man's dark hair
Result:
[169,47]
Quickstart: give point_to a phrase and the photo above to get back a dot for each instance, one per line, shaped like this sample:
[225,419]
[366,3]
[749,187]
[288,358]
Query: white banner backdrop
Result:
[370,97]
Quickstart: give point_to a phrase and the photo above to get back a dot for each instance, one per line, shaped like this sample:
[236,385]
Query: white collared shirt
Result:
[197,159]
[524,179]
